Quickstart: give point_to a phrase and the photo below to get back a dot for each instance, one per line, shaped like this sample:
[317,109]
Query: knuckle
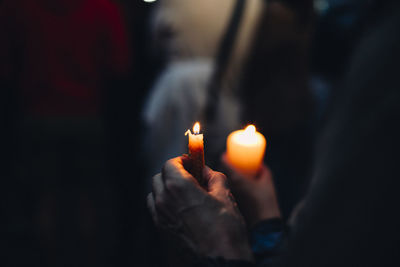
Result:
[149,198]
[175,185]
[149,203]
[155,182]
[168,166]
[159,203]
[171,185]
[221,176]
[154,178]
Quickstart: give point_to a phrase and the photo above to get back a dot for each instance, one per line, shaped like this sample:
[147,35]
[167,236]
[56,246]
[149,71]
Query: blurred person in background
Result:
[353,194]
[268,62]
[189,34]
[60,61]
[276,95]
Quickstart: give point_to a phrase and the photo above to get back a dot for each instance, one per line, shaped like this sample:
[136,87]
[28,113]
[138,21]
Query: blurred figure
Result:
[189,29]
[185,47]
[187,34]
[266,73]
[353,195]
[60,61]
[190,34]
[276,96]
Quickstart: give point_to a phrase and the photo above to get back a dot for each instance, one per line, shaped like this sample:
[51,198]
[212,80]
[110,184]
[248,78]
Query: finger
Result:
[216,181]
[161,212]
[207,173]
[218,187]
[165,216]
[158,185]
[174,169]
[264,173]
[162,201]
[151,206]
[186,162]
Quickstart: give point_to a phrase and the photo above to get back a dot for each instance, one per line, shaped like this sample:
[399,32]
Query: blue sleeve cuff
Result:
[266,237]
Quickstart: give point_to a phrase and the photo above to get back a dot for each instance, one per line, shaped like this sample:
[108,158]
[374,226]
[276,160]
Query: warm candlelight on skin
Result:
[245,150]
[196,152]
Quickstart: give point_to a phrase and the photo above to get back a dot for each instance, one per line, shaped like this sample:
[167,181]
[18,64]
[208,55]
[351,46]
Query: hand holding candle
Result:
[245,150]
[196,152]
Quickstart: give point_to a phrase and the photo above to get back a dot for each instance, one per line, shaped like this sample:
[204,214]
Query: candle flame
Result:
[247,136]
[250,130]
[196,128]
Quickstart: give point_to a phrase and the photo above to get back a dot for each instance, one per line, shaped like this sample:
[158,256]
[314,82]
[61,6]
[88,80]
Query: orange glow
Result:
[196,128]
[245,150]
[248,136]
[250,131]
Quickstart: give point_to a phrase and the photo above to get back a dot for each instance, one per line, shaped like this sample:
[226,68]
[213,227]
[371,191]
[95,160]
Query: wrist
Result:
[233,245]
[269,212]
[234,251]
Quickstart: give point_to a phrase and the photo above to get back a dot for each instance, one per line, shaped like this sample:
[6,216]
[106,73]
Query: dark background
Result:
[104,222]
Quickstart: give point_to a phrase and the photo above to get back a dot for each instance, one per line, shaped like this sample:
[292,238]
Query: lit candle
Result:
[245,150]
[196,152]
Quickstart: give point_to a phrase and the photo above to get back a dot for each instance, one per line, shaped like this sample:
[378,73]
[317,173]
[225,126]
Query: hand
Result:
[209,221]
[256,196]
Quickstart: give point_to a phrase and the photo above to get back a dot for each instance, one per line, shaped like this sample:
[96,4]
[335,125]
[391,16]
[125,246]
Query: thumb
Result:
[216,180]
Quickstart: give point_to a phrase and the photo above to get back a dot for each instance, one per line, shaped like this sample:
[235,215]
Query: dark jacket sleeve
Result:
[350,216]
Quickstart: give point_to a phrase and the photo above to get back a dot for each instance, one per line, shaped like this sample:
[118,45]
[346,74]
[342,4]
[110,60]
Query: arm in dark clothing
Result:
[354,195]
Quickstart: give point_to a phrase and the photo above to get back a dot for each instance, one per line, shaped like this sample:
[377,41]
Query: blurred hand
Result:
[209,221]
[256,196]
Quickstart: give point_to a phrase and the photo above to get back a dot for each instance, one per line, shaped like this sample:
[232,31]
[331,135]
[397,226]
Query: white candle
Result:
[245,150]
